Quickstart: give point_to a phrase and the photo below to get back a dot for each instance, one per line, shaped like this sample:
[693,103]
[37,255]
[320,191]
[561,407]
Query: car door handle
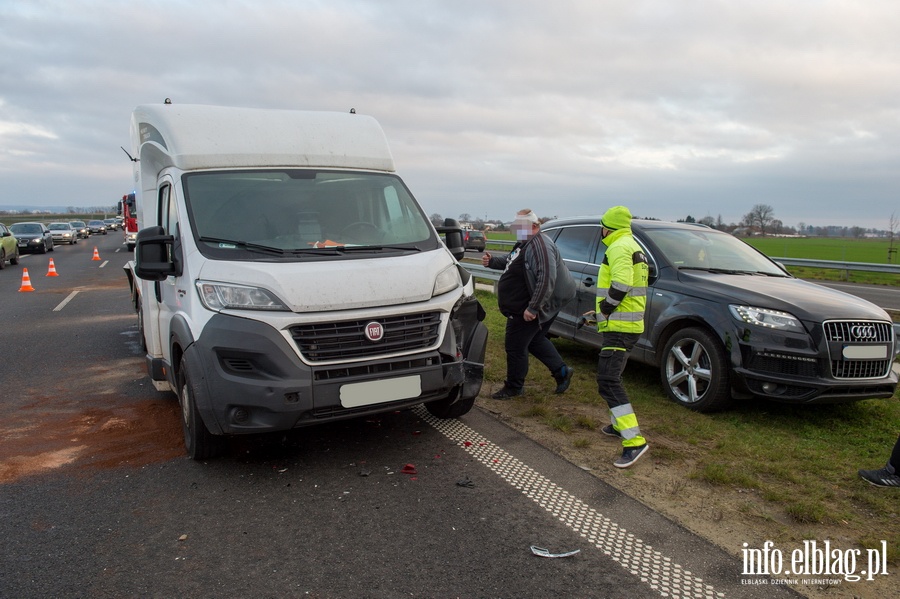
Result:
[588,282]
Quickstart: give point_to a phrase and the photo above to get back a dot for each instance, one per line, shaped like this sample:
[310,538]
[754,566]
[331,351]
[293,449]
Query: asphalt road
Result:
[98,500]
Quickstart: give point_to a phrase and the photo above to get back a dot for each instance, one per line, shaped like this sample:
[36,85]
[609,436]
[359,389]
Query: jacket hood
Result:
[617,217]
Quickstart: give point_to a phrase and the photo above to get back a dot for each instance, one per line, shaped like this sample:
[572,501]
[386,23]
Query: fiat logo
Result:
[374,331]
[863,332]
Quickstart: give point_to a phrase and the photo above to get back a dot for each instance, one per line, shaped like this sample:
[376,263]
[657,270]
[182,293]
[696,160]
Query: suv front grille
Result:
[843,332]
[321,342]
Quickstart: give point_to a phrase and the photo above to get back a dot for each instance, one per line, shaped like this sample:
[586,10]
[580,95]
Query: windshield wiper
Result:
[378,248]
[244,245]
[718,271]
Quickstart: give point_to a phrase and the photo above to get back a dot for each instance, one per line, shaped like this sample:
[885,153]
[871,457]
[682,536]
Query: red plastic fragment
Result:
[409,469]
[467,444]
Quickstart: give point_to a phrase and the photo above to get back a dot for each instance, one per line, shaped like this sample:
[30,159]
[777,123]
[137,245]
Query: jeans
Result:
[523,338]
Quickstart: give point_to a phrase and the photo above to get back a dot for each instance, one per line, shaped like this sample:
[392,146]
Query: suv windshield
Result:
[707,249]
[306,211]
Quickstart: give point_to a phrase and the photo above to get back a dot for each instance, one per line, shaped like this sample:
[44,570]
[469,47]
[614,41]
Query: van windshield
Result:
[304,210]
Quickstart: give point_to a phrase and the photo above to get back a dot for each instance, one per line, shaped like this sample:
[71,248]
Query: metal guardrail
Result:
[832,264]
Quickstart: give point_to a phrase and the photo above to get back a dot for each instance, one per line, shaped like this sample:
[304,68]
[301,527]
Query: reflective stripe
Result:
[635,292]
[625,422]
[626,316]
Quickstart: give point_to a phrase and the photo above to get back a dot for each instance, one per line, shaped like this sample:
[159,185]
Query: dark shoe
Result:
[880,478]
[506,393]
[610,431]
[630,455]
[562,382]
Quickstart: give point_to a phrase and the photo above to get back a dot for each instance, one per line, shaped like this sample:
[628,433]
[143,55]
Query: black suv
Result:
[725,322]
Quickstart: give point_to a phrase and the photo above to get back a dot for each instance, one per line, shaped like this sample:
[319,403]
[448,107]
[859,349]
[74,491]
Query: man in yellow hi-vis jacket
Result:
[621,299]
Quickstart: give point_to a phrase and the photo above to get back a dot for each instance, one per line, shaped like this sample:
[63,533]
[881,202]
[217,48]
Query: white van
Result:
[285,276]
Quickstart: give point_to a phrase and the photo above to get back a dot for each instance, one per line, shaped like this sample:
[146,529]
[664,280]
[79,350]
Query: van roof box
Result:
[192,136]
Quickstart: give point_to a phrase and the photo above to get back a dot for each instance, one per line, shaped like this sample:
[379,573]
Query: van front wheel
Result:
[199,442]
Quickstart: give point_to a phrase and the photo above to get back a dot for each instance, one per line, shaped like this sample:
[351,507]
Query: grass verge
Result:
[788,471]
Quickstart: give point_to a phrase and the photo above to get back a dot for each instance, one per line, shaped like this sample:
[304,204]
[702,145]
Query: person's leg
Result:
[889,476]
[613,357]
[894,461]
[543,349]
[518,336]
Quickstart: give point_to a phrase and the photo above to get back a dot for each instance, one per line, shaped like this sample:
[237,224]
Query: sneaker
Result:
[610,431]
[506,393]
[880,478]
[562,382]
[630,455]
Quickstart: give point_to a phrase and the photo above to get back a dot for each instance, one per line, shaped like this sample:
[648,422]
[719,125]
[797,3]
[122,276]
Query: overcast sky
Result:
[673,108]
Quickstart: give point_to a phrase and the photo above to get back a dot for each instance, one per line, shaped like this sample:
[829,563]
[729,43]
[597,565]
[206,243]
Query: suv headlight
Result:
[221,296]
[764,317]
[447,280]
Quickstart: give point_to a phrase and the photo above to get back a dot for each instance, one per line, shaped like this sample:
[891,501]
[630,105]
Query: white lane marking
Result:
[63,303]
[105,262]
[658,571]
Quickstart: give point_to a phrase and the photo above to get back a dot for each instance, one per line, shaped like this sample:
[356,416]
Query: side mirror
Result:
[153,255]
[453,237]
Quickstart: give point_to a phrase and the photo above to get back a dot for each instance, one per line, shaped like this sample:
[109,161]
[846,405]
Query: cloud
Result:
[683,108]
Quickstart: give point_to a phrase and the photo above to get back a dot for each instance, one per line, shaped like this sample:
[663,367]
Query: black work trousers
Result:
[614,351]
[523,338]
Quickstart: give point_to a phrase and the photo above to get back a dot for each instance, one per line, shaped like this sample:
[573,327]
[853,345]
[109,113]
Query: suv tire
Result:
[694,371]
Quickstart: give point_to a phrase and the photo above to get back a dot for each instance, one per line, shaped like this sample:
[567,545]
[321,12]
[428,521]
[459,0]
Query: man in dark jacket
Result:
[534,286]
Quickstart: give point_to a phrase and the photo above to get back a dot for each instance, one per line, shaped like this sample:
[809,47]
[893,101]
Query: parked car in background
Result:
[111,224]
[63,233]
[97,227]
[81,227]
[725,322]
[9,247]
[474,240]
[32,237]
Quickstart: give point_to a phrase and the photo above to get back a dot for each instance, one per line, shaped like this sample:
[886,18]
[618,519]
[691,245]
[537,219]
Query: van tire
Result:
[694,371]
[450,407]
[198,441]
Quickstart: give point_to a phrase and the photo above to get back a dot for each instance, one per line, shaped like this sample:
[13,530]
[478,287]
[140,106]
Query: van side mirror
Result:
[453,237]
[153,251]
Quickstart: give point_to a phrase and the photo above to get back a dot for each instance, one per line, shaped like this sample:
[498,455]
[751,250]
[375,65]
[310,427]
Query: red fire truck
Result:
[128,211]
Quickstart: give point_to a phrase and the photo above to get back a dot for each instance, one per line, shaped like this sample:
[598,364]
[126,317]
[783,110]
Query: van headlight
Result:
[221,296]
[447,280]
[764,317]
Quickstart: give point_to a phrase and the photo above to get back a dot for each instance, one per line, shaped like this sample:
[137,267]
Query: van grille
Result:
[321,342]
[860,333]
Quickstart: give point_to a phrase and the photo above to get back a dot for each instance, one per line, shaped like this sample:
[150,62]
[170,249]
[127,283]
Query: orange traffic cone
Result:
[96,254]
[52,272]
[26,281]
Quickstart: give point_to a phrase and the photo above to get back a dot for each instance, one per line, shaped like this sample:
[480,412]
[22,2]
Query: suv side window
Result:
[577,244]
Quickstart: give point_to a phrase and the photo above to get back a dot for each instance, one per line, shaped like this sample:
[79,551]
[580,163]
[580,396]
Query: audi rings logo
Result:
[374,331]
[863,332]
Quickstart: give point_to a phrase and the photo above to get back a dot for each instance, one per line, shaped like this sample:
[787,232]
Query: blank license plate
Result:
[374,392]
[865,352]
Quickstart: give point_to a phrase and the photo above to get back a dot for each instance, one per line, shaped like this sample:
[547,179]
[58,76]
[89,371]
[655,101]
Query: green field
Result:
[873,251]
[822,248]
[9,219]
